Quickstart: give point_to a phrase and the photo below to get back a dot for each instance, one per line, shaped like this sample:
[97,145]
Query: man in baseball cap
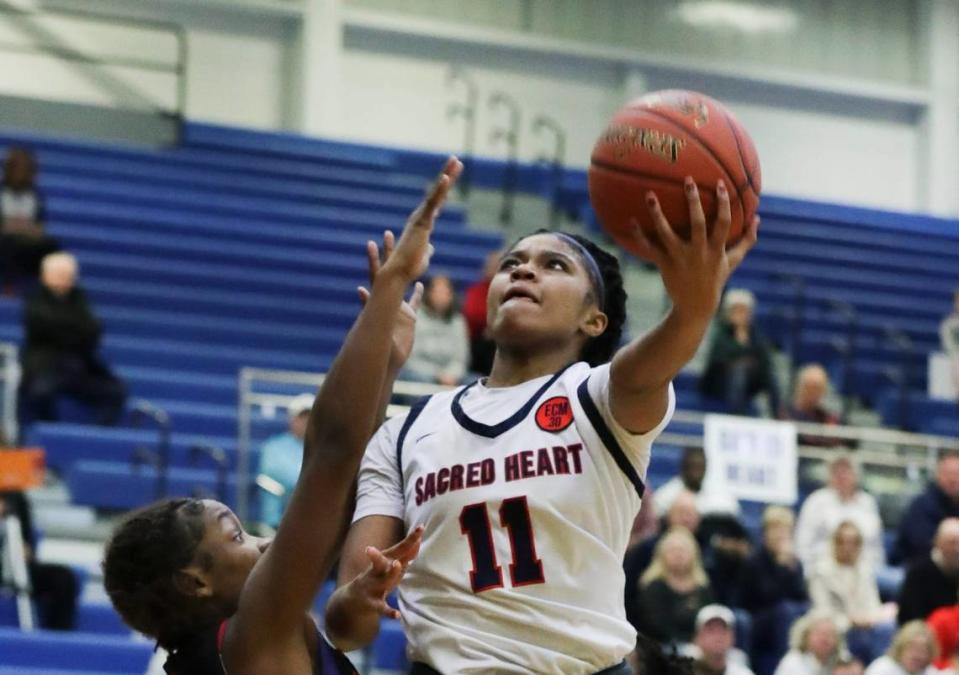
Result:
[713,649]
[280,460]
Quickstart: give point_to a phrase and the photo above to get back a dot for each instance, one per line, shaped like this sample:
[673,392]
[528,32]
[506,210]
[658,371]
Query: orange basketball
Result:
[653,143]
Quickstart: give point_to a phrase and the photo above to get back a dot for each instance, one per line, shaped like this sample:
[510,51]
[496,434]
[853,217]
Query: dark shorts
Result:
[620,669]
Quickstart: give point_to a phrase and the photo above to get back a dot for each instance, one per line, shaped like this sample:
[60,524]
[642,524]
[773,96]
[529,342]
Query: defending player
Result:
[219,600]
[527,483]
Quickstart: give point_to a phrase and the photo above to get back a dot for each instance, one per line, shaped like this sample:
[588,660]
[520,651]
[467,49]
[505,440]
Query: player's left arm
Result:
[694,273]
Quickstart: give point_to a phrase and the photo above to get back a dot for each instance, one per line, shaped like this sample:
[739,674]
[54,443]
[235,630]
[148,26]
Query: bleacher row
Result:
[245,249]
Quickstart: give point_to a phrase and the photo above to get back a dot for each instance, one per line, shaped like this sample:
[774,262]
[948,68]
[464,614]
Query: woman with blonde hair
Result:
[673,589]
[912,652]
[815,645]
[845,584]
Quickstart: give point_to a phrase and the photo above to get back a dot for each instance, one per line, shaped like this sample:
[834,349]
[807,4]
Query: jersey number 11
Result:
[487,574]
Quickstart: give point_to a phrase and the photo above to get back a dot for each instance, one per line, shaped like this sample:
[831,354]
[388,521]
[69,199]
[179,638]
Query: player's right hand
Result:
[411,255]
[370,589]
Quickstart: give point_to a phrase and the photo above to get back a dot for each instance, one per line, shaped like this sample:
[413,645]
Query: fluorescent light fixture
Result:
[742,16]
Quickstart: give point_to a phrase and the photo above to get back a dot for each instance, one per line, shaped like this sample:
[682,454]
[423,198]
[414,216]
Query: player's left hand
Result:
[369,590]
[695,271]
[405,326]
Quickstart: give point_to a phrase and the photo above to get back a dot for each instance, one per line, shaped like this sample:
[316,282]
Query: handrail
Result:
[915,448]
[179,32]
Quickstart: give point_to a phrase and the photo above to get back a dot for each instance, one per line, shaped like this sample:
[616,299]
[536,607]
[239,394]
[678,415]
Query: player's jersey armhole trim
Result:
[494,430]
[414,412]
[607,437]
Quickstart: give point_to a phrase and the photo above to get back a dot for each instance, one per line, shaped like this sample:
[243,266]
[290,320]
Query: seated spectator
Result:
[932,581]
[739,365]
[60,355]
[772,586]
[474,311]
[816,646]
[712,649]
[280,460]
[812,385]
[949,337]
[23,242]
[840,500]
[944,624]
[53,587]
[940,500]
[673,590]
[912,652]
[773,574]
[441,350]
[845,585]
[692,472]
[683,513]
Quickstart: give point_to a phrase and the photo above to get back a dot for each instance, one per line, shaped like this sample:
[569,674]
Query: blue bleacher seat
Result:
[68,651]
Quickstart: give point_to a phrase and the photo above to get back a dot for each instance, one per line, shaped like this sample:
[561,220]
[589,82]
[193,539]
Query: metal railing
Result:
[249,399]
[177,67]
[872,446]
[9,384]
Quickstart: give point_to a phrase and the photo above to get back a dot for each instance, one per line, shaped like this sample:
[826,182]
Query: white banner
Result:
[751,459]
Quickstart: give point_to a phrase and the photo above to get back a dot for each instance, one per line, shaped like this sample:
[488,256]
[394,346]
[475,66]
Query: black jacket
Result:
[55,327]
[919,523]
[764,583]
[926,589]
[725,349]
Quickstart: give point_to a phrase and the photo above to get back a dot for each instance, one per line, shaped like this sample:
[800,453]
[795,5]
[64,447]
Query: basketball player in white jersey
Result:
[527,482]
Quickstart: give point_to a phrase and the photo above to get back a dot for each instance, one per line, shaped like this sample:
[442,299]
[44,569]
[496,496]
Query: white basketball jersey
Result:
[527,495]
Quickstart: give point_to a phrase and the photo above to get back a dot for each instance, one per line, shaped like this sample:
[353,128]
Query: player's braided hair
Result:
[600,349]
[141,561]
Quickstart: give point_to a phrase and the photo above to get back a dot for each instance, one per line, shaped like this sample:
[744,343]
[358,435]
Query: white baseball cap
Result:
[299,405]
[711,612]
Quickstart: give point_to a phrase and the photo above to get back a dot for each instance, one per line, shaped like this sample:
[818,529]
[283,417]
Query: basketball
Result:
[653,143]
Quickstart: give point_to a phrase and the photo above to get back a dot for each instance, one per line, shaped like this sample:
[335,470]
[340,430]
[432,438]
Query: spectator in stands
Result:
[845,585]
[712,648]
[673,589]
[812,385]
[23,242]
[474,310]
[54,587]
[932,581]
[280,460]
[772,586]
[816,645]
[949,337]
[840,500]
[944,624]
[441,350]
[692,474]
[683,513]
[940,500]
[912,652]
[739,365]
[60,355]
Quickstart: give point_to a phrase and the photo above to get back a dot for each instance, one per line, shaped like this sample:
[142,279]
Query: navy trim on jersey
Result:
[494,430]
[414,412]
[607,437]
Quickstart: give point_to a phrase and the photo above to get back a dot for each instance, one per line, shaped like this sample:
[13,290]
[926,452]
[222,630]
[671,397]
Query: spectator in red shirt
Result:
[474,310]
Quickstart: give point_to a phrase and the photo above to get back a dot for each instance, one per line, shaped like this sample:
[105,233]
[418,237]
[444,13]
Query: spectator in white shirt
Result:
[841,500]
[816,645]
[841,583]
[912,652]
[692,471]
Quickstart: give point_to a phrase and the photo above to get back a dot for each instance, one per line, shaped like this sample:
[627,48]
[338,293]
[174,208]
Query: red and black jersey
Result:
[200,655]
